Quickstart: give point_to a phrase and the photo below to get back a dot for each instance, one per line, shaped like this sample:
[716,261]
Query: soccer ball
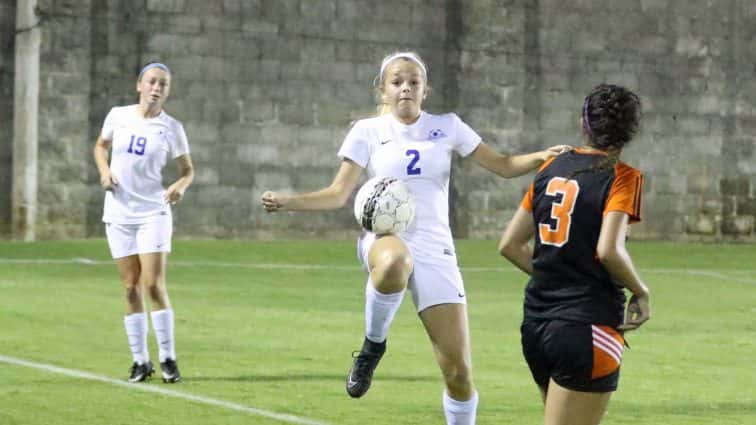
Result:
[384,205]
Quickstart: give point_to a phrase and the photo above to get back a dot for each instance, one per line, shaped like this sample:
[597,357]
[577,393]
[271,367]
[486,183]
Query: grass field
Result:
[271,326]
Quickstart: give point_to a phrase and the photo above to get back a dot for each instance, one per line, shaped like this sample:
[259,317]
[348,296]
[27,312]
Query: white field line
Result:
[162,391]
[741,276]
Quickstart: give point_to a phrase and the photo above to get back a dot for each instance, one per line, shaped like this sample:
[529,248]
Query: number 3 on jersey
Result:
[561,211]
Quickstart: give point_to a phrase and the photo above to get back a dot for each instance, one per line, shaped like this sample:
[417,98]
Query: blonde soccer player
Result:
[409,144]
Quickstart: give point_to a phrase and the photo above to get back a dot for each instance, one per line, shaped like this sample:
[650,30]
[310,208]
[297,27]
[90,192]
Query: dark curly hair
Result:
[611,116]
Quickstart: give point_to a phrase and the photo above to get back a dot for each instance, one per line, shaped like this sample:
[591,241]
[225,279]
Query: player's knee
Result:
[131,284]
[392,272]
[130,279]
[133,292]
[155,288]
[458,377]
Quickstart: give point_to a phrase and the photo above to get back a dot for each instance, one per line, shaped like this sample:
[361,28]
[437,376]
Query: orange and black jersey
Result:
[568,199]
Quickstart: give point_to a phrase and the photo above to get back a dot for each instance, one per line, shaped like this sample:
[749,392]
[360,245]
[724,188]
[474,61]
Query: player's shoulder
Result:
[372,129]
[624,169]
[170,120]
[443,118]
[440,126]
[371,122]
[124,110]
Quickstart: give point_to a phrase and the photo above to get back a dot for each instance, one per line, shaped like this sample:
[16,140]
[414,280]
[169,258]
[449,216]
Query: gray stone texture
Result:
[7,60]
[267,90]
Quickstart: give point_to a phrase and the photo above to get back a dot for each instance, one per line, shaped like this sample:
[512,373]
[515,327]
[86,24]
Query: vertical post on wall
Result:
[25,118]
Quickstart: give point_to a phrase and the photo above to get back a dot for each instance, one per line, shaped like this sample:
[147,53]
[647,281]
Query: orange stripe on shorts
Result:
[608,346]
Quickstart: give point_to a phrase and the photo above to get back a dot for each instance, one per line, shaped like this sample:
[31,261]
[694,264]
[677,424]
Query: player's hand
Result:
[638,312]
[173,194]
[273,201]
[557,150]
[553,151]
[108,181]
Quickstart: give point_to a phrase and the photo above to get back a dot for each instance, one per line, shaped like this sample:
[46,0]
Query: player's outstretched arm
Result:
[514,244]
[513,165]
[331,197]
[613,255]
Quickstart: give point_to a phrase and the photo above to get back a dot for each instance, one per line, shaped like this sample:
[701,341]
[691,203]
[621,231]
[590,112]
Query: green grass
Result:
[280,339]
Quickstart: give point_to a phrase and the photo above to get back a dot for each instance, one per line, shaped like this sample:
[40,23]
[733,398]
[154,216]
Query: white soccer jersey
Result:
[140,149]
[420,154]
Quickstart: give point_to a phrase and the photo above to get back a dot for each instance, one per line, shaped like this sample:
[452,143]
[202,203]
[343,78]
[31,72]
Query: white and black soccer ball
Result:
[384,205]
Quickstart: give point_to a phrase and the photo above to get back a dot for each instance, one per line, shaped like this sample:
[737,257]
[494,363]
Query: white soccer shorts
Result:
[434,280]
[131,239]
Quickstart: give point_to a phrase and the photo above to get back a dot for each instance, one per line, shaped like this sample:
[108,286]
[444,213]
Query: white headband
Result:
[408,55]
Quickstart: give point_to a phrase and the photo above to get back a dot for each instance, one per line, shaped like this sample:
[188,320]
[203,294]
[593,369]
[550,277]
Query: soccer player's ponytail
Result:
[611,117]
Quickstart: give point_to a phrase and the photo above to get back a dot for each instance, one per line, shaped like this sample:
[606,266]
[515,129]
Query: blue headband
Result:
[154,65]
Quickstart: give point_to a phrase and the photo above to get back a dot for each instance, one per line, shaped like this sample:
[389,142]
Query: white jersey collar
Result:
[414,130]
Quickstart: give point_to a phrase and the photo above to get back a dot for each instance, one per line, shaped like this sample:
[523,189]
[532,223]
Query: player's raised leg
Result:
[390,266]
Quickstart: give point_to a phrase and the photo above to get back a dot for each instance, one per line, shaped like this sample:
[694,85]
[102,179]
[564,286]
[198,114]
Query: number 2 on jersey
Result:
[411,170]
[561,211]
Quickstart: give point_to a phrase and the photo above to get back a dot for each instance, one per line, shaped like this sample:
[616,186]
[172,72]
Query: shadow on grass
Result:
[306,378]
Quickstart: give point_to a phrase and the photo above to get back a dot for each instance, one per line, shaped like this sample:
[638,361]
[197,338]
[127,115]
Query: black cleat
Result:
[365,362]
[171,374]
[140,372]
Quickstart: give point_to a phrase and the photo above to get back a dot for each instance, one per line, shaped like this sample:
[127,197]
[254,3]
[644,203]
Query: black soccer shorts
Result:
[578,356]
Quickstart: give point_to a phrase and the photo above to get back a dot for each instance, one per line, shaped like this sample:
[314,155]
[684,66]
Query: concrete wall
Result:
[267,88]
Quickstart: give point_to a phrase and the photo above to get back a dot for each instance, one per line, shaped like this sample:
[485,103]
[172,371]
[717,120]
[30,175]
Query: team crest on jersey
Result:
[436,134]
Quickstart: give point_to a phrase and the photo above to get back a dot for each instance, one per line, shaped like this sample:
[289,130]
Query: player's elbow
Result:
[505,167]
[507,247]
[607,254]
[340,196]
[507,173]
[341,202]
[188,171]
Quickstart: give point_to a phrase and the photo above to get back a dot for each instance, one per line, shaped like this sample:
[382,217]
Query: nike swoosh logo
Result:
[385,141]
[350,382]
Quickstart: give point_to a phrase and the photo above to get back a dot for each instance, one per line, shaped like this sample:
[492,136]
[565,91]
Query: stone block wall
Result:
[7,45]
[692,64]
[267,89]
[64,180]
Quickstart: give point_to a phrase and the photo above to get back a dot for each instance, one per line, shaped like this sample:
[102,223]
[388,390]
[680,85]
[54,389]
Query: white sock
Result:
[380,310]
[460,412]
[162,322]
[136,331]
